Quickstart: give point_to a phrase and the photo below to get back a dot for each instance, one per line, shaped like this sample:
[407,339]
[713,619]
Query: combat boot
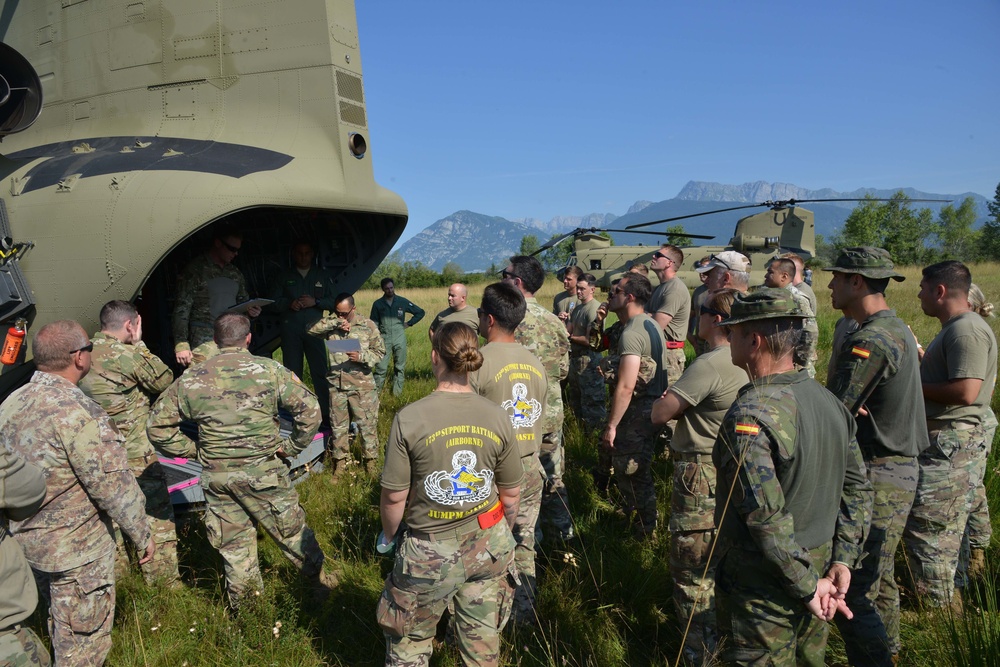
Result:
[339,469]
[323,583]
[371,467]
[977,563]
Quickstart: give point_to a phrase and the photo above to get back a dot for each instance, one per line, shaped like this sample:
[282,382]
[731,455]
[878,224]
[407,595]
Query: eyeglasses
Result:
[232,248]
[507,274]
[660,255]
[705,310]
[89,347]
[617,290]
[340,314]
[721,261]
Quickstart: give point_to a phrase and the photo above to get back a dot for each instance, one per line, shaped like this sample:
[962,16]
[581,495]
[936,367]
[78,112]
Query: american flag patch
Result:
[860,352]
[747,429]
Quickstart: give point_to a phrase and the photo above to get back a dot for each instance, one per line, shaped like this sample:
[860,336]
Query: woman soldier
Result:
[453,457]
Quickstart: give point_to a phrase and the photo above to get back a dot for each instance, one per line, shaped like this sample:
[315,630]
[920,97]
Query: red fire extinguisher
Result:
[12,344]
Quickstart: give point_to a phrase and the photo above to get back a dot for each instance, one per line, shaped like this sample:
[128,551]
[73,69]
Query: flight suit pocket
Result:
[395,611]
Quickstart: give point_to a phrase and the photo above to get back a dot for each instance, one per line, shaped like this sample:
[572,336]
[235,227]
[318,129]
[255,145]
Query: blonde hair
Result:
[978,302]
[457,345]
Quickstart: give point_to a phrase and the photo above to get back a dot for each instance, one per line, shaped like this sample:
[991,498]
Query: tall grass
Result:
[604,600]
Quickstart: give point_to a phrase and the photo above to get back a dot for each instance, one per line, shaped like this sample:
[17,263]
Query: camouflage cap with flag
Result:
[763,304]
[868,261]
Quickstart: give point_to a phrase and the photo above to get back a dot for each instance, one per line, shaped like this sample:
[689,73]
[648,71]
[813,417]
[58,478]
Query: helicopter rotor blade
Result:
[679,234]
[691,215]
[556,241]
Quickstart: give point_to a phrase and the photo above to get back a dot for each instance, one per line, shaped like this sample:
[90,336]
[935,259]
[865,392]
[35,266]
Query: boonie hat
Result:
[762,304]
[868,261]
[727,259]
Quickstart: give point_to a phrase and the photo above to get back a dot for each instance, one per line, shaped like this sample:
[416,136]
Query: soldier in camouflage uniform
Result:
[780,273]
[798,281]
[545,336]
[123,379]
[22,490]
[389,314]
[698,401]
[234,398]
[958,374]
[69,542]
[206,288]
[629,434]
[798,500]
[584,384]
[875,375]
[515,379]
[670,306]
[452,467]
[353,395]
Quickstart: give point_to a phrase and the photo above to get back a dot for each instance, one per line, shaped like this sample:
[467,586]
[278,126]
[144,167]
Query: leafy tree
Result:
[529,244]
[957,238]
[451,273]
[672,235]
[991,229]
[892,225]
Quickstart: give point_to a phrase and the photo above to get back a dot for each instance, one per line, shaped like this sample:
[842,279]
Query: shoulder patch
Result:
[747,429]
[860,352]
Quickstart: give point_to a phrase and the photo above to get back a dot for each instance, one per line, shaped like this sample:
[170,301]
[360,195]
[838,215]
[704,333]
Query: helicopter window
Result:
[595,265]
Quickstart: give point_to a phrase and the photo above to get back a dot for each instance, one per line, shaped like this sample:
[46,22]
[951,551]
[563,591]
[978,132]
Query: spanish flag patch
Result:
[747,429]
[860,352]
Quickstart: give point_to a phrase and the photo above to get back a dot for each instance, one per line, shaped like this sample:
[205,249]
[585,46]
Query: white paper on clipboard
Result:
[344,346]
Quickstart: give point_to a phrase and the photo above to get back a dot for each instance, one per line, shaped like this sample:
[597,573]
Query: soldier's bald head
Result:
[54,344]
[231,330]
[460,289]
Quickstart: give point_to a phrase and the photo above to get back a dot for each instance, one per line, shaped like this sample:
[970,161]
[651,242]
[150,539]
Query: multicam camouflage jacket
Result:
[805,352]
[234,398]
[200,286]
[789,463]
[345,374]
[122,379]
[51,423]
[545,336]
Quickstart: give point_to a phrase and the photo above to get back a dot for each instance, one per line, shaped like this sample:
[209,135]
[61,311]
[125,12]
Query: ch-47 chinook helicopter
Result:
[784,227]
[131,129]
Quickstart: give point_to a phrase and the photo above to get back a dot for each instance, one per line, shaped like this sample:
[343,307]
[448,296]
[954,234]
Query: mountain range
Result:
[474,241]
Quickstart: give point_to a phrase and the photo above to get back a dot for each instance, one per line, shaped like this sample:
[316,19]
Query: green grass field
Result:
[607,601]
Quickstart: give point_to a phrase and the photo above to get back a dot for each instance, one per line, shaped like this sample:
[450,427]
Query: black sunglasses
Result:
[232,248]
[660,255]
[705,310]
[89,347]
[507,274]
[719,260]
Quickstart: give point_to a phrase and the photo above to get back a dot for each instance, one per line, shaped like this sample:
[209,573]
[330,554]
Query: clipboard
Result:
[247,305]
[344,345]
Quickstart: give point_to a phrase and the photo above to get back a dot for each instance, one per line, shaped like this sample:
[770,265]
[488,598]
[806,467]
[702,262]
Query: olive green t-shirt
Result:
[468,316]
[561,302]
[583,316]
[710,384]
[643,337]
[964,348]
[514,378]
[672,298]
[451,451]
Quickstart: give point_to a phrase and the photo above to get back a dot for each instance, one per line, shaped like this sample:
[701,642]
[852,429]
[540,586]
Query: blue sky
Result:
[537,109]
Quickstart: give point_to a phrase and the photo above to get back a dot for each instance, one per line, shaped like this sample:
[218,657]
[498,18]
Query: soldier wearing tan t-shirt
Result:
[584,384]
[670,306]
[451,466]
[457,311]
[513,378]
[698,401]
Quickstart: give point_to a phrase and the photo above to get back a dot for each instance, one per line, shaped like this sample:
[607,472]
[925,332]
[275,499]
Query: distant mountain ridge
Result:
[474,241]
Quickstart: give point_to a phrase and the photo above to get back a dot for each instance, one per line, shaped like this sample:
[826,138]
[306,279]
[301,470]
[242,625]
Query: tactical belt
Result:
[675,345]
[484,521]
[691,457]
[941,424]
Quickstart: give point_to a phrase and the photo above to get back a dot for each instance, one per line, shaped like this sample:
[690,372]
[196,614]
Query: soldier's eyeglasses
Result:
[340,314]
[232,248]
[711,311]
[89,347]
[721,261]
[507,274]
[660,255]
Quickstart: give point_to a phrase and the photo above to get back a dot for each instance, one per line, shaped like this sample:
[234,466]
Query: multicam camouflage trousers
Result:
[81,605]
[979,529]
[358,405]
[872,636]
[471,568]
[21,647]
[160,512]
[632,459]
[692,529]
[524,537]
[951,470]
[240,500]
[675,364]
[759,622]
[585,390]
